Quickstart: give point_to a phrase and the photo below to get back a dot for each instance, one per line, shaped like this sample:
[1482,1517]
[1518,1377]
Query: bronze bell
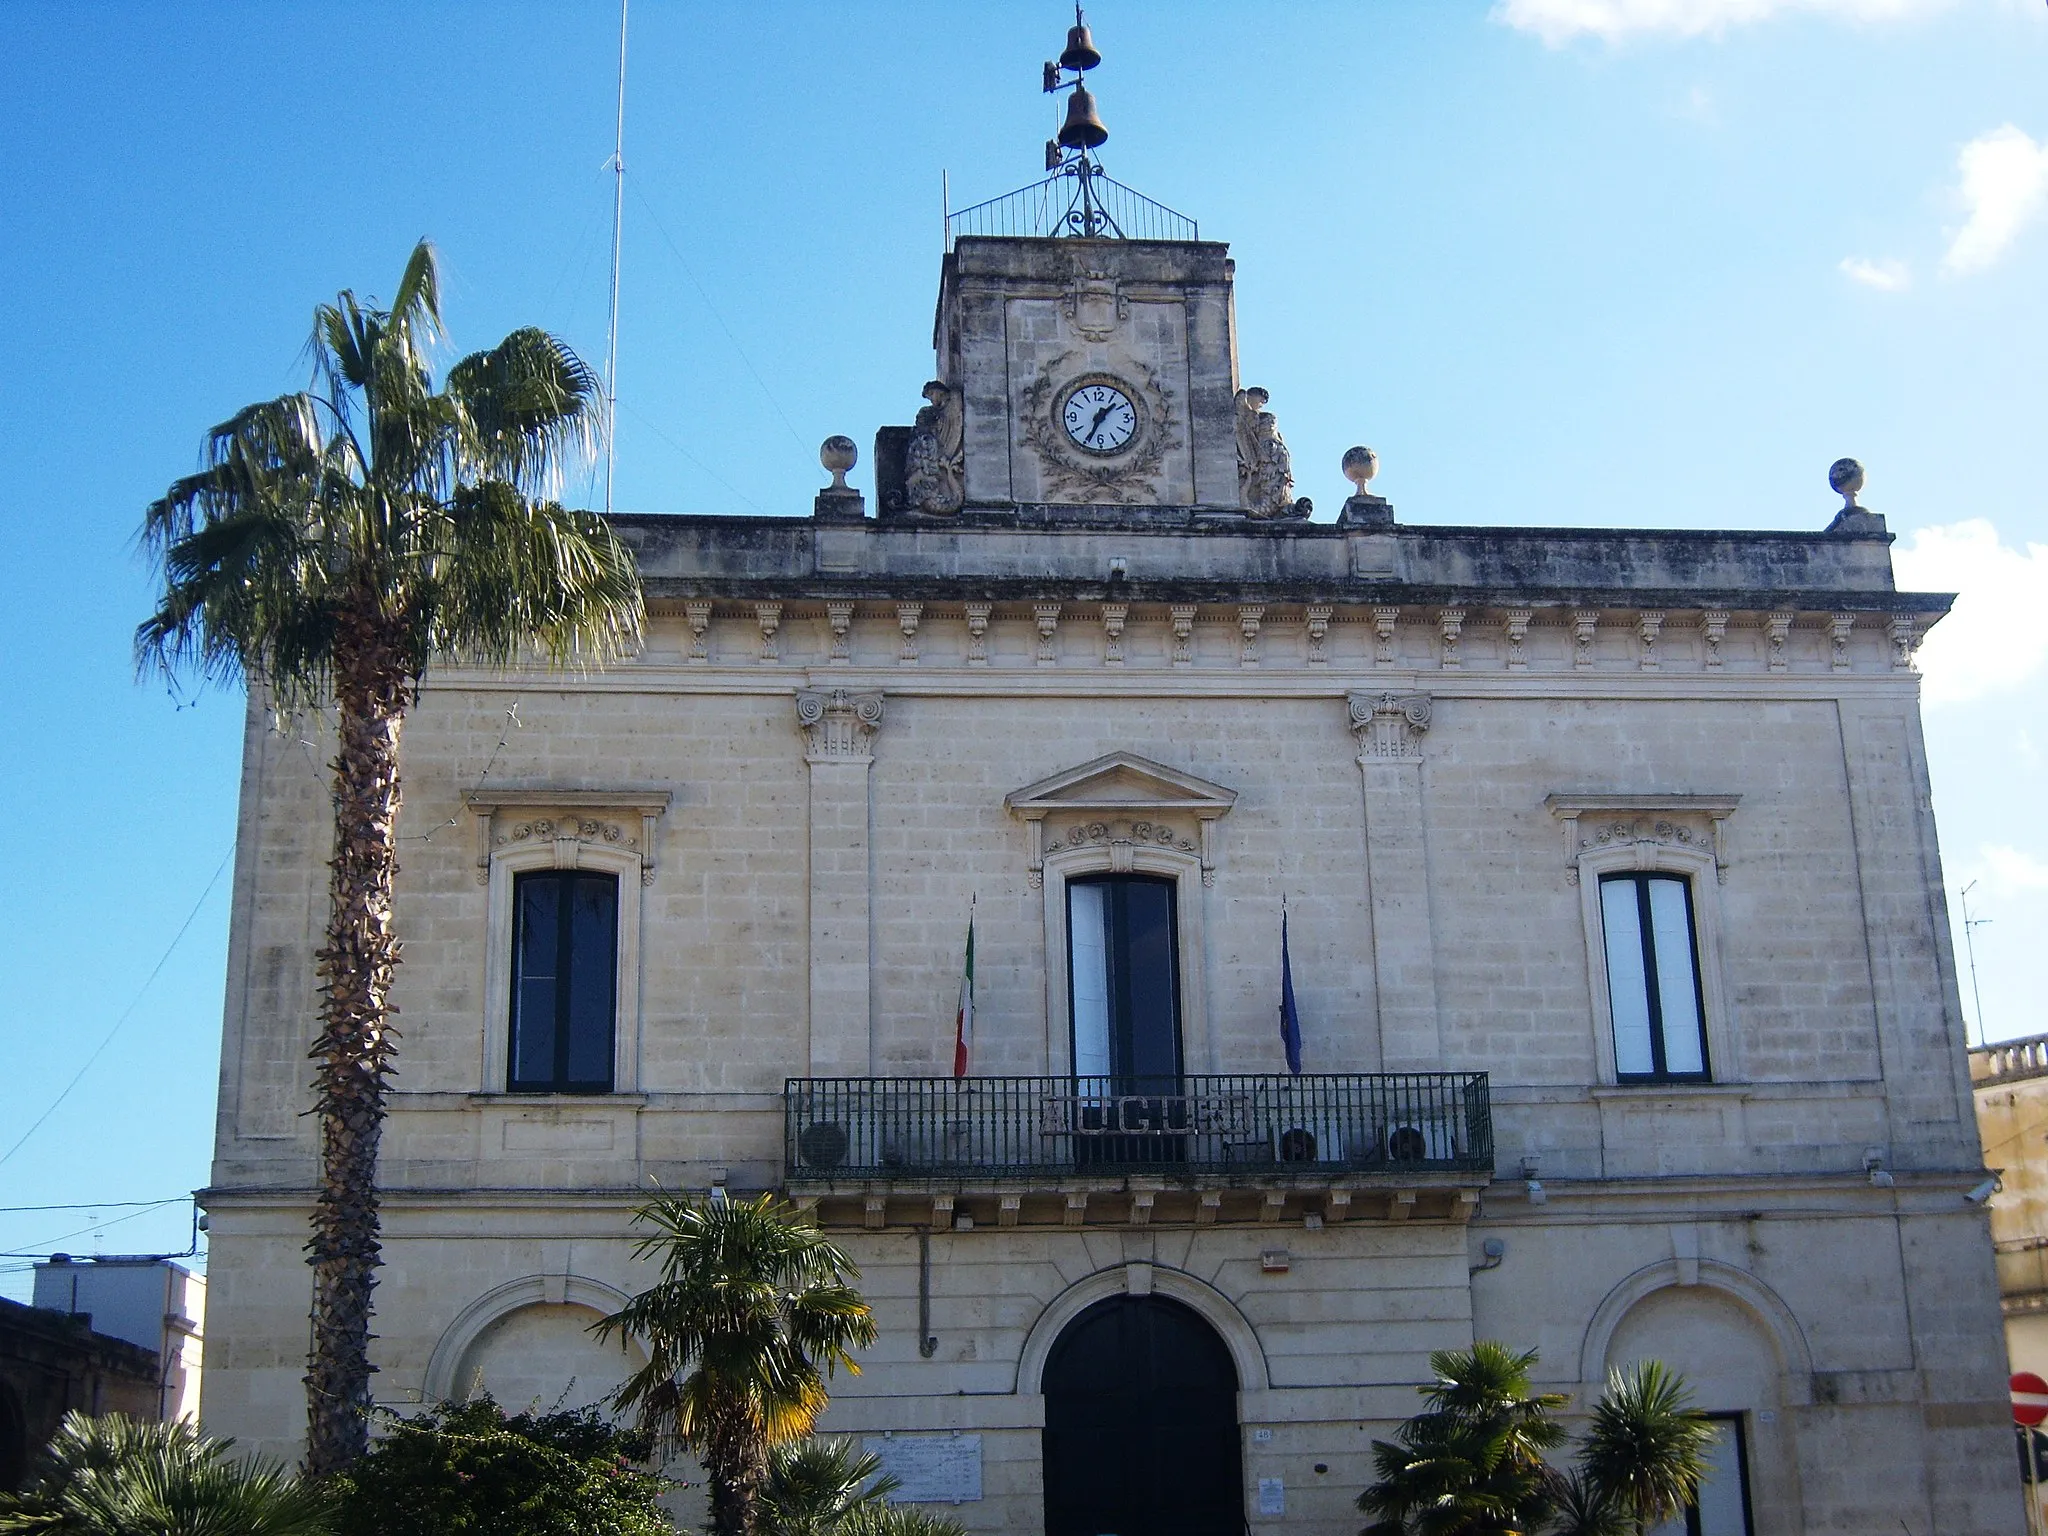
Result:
[1080,53]
[1082,129]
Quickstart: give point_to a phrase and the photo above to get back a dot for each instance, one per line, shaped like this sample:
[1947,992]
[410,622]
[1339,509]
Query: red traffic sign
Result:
[2029,1398]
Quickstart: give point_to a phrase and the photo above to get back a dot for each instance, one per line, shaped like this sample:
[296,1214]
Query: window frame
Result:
[1723,1038]
[1105,877]
[1653,987]
[1070,861]
[559,1081]
[494,1068]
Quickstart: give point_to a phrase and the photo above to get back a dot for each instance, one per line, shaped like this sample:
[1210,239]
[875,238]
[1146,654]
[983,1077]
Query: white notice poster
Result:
[1272,1496]
[933,1469]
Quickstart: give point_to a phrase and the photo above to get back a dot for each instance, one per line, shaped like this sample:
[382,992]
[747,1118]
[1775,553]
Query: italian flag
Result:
[963,1021]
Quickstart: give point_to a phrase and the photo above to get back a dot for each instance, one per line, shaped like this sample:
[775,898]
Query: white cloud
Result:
[2004,185]
[2011,871]
[1885,274]
[1559,21]
[1993,639]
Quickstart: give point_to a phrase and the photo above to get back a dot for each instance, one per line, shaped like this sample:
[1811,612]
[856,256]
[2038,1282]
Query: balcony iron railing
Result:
[1039,1127]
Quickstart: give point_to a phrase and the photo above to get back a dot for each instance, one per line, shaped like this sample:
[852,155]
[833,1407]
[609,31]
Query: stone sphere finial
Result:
[838,454]
[1845,476]
[1360,465]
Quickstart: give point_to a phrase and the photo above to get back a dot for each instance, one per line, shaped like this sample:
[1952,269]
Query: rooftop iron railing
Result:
[1071,204]
[1038,1127]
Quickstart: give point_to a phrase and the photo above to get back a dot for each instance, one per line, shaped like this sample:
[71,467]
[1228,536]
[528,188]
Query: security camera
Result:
[1978,1194]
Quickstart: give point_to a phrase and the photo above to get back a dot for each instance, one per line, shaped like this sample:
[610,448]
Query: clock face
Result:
[1100,418]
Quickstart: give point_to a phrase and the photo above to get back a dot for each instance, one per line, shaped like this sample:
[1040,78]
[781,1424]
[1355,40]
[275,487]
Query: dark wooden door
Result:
[1141,1434]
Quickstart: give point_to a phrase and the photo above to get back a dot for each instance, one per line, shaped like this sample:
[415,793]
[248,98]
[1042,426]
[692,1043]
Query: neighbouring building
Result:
[153,1303]
[51,1363]
[1627,1013]
[2010,1080]
[2011,1083]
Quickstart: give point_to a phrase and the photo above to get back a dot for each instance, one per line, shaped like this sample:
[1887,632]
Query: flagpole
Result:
[963,1019]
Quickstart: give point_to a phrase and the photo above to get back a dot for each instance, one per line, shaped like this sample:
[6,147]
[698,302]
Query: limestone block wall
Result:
[1869,1388]
[1834,987]
[1426,793]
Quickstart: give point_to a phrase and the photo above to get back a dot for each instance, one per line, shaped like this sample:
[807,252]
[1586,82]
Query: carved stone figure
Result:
[1265,472]
[935,463]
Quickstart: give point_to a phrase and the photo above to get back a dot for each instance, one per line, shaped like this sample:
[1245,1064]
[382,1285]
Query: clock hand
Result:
[1095,426]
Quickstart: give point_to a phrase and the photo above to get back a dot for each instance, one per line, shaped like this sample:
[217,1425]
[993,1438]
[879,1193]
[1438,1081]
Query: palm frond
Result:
[532,407]
[751,1310]
[115,1476]
[1646,1449]
[812,1485]
[897,1520]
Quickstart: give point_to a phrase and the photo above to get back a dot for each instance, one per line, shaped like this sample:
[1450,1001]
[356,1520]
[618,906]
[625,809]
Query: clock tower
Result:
[1086,357]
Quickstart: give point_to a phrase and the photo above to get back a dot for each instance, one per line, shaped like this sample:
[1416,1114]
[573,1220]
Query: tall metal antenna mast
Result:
[1970,927]
[611,349]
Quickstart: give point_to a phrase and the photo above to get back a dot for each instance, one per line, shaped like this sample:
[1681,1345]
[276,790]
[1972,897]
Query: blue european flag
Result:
[1290,1016]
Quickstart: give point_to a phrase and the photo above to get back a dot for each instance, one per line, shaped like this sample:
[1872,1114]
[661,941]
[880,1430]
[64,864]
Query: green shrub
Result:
[471,1469]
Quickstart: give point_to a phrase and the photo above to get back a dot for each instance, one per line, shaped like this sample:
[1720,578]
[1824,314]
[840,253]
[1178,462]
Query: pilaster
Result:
[839,730]
[1389,727]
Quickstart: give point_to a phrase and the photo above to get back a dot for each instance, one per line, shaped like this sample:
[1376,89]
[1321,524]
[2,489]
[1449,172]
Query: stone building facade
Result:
[1615,922]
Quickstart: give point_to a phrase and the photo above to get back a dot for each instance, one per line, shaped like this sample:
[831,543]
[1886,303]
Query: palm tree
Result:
[115,1476]
[753,1310]
[1647,1449]
[1581,1509]
[1471,1464]
[895,1520]
[334,542]
[813,1485]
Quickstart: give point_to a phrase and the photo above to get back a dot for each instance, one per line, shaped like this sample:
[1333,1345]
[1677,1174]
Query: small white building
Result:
[153,1302]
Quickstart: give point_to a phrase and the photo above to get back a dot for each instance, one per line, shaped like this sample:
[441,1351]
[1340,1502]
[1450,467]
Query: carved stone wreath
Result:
[1070,473]
[1086,833]
[1642,829]
[543,829]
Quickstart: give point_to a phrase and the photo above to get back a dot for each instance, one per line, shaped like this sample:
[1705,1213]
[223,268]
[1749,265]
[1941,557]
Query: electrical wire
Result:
[91,1205]
[691,274]
[641,417]
[42,1249]
[128,1012]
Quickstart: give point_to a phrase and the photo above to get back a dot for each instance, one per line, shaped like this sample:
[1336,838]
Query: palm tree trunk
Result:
[356,965]
[734,1465]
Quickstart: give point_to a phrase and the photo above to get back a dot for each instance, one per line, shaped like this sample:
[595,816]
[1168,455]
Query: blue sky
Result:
[1635,262]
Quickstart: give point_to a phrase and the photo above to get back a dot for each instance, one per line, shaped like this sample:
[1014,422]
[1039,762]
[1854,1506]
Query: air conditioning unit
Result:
[1427,1141]
[1314,1139]
[823,1145]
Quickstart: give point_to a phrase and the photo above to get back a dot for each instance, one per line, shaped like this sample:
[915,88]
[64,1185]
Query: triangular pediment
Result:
[1122,781]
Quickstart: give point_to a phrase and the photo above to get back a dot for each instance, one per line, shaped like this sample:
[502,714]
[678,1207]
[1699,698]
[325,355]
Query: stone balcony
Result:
[1061,1151]
[2009,1061]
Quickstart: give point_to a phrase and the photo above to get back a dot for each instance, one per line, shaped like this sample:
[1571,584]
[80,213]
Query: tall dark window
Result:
[1124,980]
[1653,978]
[565,945]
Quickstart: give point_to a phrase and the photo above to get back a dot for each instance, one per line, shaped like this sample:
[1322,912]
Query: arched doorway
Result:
[1141,1434]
